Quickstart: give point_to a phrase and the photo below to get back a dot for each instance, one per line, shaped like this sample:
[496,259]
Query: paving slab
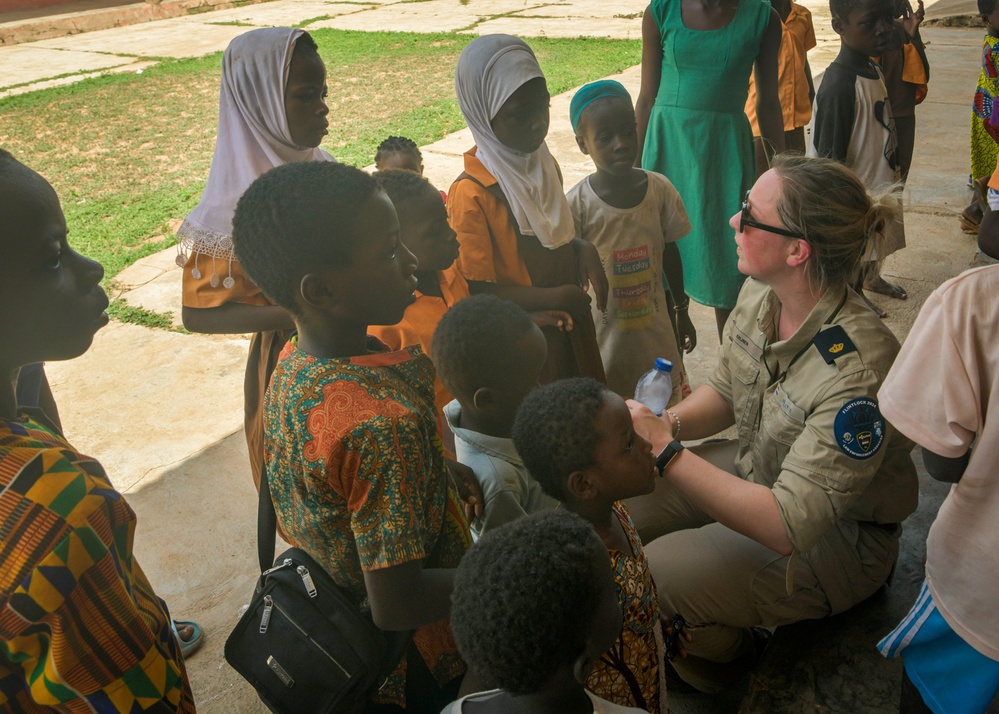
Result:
[142,399]
[613,28]
[31,63]
[163,38]
[135,67]
[425,16]
[277,14]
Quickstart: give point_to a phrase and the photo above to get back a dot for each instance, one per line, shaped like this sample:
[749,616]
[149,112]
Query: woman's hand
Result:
[468,488]
[591,271]
[656,429]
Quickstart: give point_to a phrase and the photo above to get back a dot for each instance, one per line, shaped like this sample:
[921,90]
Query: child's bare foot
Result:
[879,285]
[880,313]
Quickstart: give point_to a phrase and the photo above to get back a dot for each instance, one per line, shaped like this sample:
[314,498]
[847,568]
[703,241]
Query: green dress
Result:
[699,137]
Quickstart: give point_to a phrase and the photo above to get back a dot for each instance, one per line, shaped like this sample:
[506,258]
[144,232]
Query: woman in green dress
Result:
[696,60]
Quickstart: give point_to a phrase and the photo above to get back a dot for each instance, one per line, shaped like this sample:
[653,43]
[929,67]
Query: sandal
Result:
[882,287]
[189,646]
[968,224]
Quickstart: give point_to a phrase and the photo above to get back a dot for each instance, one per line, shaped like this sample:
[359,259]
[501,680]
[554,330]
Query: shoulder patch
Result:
[859,428]
[832,343]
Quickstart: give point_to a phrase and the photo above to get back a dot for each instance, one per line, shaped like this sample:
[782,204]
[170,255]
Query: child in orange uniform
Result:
[509,207]
[272,111]
[794,80]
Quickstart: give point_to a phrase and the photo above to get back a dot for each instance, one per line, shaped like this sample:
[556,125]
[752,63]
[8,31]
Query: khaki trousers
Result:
[721,582]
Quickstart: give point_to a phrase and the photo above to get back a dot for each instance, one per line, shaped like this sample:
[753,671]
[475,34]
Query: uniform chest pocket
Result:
[783,419]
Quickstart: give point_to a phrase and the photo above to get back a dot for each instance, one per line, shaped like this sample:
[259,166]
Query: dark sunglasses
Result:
[747,220]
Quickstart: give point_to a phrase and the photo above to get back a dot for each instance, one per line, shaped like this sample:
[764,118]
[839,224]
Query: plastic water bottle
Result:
[655,387]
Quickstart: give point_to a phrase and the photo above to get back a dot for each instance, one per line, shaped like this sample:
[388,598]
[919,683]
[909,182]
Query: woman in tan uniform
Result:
[801,514]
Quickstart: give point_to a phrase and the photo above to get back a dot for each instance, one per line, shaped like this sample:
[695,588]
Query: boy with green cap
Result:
[633,217]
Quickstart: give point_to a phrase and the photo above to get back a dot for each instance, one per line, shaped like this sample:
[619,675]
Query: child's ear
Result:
[483,399]
[319,291]
[837,26]
[581,143]
[581,485]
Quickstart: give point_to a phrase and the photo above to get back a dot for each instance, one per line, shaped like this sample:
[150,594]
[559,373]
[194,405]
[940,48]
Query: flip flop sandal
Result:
[968,225]
[188,647]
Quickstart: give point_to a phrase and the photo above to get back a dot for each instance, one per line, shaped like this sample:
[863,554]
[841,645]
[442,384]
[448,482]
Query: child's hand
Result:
[469,490]
[911,19]
[591,271]
[573,299]
[552,318]
[688,334]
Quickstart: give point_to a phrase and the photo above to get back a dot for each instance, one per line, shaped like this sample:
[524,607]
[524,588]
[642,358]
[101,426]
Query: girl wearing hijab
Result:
[272,111]
[509,209]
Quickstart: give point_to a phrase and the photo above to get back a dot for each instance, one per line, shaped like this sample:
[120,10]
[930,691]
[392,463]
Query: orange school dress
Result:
[417,328]
[493,250]
[265,347]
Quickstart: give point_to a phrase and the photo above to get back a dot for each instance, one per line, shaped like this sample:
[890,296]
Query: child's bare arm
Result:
[652,69]
[407,596]
[768,111]
[570,298]
[235,318]
[673,270]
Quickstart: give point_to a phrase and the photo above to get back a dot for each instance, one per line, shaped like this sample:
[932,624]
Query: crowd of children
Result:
[402,335]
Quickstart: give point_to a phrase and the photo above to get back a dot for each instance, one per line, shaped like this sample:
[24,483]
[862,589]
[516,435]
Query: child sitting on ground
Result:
[576,438]
[81,628]
[490,354]
[353,457]
[533,609]
[424,230]
[633,217]
[272,111]
[854,124]
[508,206]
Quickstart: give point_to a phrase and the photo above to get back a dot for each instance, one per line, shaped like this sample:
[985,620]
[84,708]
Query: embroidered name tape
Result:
[859,428]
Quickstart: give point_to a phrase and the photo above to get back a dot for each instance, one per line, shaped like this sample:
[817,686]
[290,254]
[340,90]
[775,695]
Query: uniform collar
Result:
[784,352]
[475,169]
[496,446]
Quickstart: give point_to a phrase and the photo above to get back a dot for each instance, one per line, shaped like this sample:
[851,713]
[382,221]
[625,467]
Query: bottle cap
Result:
[664,365]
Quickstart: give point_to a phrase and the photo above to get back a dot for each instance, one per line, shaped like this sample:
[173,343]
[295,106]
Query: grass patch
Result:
[122,311]
[317,18]
[129,154]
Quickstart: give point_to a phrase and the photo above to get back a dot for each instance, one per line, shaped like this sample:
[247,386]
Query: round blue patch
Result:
[859,428]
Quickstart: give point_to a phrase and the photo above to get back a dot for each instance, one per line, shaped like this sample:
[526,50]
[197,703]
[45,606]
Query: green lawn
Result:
[129,153]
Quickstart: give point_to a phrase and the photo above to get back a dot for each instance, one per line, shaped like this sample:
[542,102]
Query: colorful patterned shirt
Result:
[81,629]
[357,474]
[630,673]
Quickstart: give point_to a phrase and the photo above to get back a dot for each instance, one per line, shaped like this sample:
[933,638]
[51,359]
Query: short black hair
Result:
[555,431]
[841,9]
[296,217]
[476,336]
[524,600]
[401,185]
[986,7]
[397,144]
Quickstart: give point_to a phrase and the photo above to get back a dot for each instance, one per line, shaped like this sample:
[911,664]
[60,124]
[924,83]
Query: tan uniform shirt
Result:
[809,428]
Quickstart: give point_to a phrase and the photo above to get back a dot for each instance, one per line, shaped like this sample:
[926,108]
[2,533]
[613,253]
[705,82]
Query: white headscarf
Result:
[253,137]
[490,69]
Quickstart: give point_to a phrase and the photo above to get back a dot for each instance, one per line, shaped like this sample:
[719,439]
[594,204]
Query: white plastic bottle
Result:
[655,387]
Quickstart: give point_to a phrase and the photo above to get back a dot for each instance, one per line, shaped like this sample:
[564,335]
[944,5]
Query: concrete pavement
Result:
[162,411]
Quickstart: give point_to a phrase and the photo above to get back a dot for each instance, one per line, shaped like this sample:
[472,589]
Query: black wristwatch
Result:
[666,455]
